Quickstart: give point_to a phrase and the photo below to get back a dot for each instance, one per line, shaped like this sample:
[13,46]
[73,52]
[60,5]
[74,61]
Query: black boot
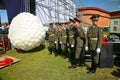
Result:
[92,69]
[72,67]
[81,65]
[50,50]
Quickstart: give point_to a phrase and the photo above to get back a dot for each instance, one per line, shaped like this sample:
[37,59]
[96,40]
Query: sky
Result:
[3,15]
[108,5]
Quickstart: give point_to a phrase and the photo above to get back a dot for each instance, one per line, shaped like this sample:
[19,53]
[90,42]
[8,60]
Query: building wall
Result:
[115,22]
[115,25]
[104,19]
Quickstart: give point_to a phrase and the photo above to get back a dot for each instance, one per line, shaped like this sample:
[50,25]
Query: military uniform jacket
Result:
[64,35]
[51,33]
[80,36]
[71,35]
[94,37]
[58,34]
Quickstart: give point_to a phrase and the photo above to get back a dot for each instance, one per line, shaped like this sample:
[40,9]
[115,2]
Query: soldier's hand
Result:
[55,42]
[60,42]
[98,50]
[67,44]
[72,45]
[86,48]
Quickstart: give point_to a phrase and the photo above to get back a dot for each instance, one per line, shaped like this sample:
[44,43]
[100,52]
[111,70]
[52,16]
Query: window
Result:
[115,22]
[114,28]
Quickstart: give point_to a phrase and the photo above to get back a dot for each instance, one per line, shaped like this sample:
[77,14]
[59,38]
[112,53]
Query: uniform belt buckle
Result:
[94,39]
[70,36]
[64,36]
[52,34]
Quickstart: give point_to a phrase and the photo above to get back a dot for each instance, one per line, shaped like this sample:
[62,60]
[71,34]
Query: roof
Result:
[93,8]
[115,14]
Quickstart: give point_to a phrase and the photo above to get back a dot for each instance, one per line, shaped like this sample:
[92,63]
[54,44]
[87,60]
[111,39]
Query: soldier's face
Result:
[51,26]
[94,21]
[77,23]
[71,23]
[60,26]
[66,26]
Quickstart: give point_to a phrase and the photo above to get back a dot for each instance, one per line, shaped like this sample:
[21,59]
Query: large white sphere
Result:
[26,31]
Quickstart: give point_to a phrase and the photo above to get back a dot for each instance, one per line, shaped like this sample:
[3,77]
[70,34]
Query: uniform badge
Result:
[78,30]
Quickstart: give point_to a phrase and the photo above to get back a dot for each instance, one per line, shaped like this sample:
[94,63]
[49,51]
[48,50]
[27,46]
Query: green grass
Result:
[39,65]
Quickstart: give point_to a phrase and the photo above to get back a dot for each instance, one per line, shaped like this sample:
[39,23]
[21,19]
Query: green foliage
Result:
[41,65]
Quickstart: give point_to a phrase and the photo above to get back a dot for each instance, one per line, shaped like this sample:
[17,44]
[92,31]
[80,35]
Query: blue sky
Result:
[3,15]
[109,5]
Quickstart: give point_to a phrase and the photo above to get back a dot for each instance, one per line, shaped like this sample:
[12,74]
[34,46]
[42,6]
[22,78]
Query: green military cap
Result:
[56,23]
[72,20]
[51,23]
[60,24]
[77,19]
[67,22]
[95,17]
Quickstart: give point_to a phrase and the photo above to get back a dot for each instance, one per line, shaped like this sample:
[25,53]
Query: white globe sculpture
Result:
[26,31]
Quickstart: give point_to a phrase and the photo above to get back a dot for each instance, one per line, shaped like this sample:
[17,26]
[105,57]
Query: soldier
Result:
[72,42]
[51,33]
[64,39]
[58,38]
[93,43]
[80,42]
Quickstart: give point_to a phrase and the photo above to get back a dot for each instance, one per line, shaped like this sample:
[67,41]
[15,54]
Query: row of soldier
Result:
[72,36]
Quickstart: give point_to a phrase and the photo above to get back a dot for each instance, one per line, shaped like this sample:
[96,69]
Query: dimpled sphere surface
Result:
[26,31]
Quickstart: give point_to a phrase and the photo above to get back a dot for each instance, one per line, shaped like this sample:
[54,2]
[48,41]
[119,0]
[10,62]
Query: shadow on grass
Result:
[0,78]
[39,48]
[117,64]
[117,61]
[116,73]
[48,48]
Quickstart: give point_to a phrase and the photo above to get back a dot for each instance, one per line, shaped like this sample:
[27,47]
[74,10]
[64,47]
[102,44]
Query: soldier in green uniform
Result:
[51,33]
[80,42]
[93,43]
[58,34]
[72,43]
[64,39]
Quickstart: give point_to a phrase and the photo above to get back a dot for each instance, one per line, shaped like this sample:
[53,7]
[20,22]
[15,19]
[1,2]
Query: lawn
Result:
[40,65]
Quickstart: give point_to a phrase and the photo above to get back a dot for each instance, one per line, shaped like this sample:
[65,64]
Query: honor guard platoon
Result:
[74,37]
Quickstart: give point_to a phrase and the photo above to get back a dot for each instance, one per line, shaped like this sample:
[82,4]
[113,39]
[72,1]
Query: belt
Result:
[82,38]
[52,34]
[64,36]
[71,36]
[94,39]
